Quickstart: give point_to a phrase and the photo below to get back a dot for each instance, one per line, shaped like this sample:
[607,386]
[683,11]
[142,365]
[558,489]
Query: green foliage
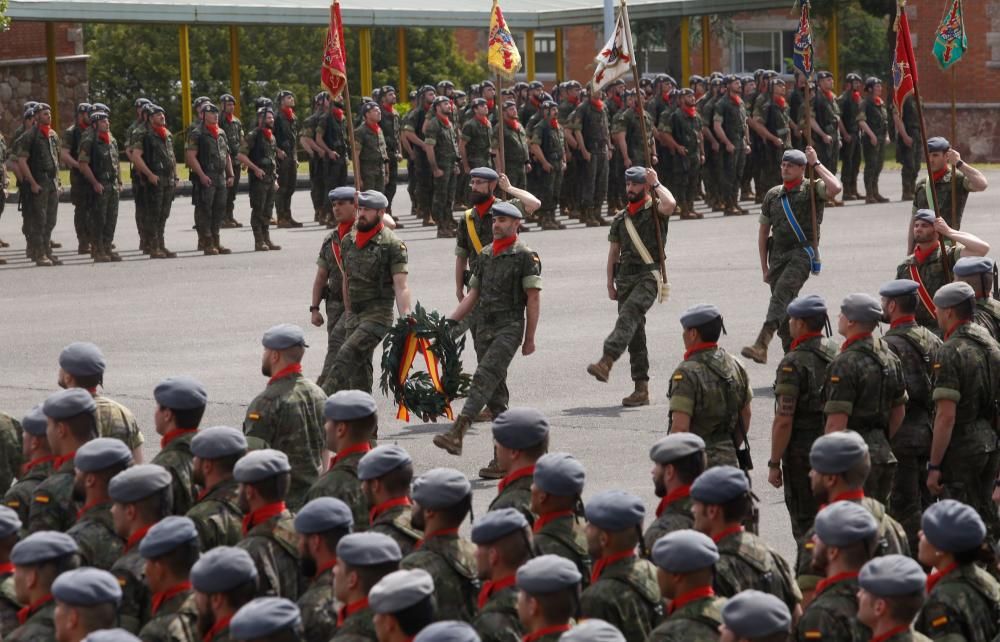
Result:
[4,20]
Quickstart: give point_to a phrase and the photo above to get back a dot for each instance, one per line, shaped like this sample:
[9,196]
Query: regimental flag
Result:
[802,48]
[951,42]
[503,58]
[615,59]
[904,66]
[335,58]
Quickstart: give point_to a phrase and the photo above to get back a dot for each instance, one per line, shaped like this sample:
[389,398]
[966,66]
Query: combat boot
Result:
[589,217]
[154,251]
[640,397]
[216,241]
[42,260]
[54,245]
[82,248]
[258,242]
[97,252]
[113,256]
[758,351]
[267,239]
[167,254]
[289,222]
[602,369]
[878,196]
[4,243]
[54,259]
[451,441]
[485,415]
[206,246]
[492,470]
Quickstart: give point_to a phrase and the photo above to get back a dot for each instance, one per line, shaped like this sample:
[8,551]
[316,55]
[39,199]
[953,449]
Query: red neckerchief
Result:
[534,101]
[7,569]
[490,587]
[162,132]
[90,505]
[163,596]
[205,491]
[174,434]
[483,208]
[105,137]
[939,175]
[638,206]
[45,130]
[439,533]
[229,118]
[527,471]
[790,185]
[828,94]
[549,517]
[937,576]
[445,121]
[491,104]
[921,255]
[878,101]
[617,99]
[678,493]
[295,368]
[26,468]
[736,99]
[361,238]
[26,612]
[700,347]
[350,609]
[891,632]
[262,514]
[805,337]
[607,560]
[288,112]
[665,96]
[849,496]
[554,123]
[540,633]
[906,320]
[342,230]
[691,596]
[389,108]
[499,245]
[325,567]
[690,111]
[573,100]
[951,330]
[220,625]
[856,97]
[513,124]
[732,530]
[374,127]
[337,113]
[597,104]
[780,101]
[213,130]
[852,340]
[58,462]
[483,120]
[363,447]
[136,537]
[268,134]
[826,583]
[386,505]
[84,125]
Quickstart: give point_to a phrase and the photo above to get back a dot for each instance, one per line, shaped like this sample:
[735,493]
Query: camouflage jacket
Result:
[9,606]
[273,545]
[394,521]
[593,125]
[631,267]
[130,569]
[478,137]
[176,620]
[11,457]
[732,116]
[826,113]
[514,491]
[286,131]
[696,621]
[342,482]
[502,281]
[931,274]
[498,620]
[917,349]
[784,244]
[217,516]
[961,606]
[443,139]
[833,614]
[52,505]
[801,375]
[94,532]
[746,562]
[627,595]
[115,420]
[19,496]
[627,122]
[318,609]
[175,455]
[988,315]
[942,196]
[356,627]
[234,132]
[212,151]
[451,561]
[40,625]
[328,261]
[370,272]
[262,152]
[371,148]
[515,143]
[672,514]
[564,536]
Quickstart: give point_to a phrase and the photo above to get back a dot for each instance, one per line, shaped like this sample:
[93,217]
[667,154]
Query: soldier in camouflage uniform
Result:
[392,126]
[682,132]
[403,603]
[825,122]
[180,405]
[96,462]
[10,527]
[548,149]
[98,162]
[385,474]
[712,168]
[678,459]
[153,157]
[79,191]
[286,137]
[233,127]
[216,512]
[849,104]
[685,561]
[372,153]
[38,460]
[412,139]
[328,284]
[555,498]
[207,154]
[502,546]
[946,165]
[615,104]
[441,148]
[362,560]
[515,147]
[873,129]
[86,601]
[287,415]
[978,273]
[549,598]
[315,154]
[258,152]
[521,437]
[589,125]
[909,146]
[626,133]
[730,128]
[135,132]
[11,450]
[898,583]
[230,576]
[170,549]
[38,157]
[571,188]
[475,144]
[796,103]
[331,140]
[771,121]
[320,526]
[42,556]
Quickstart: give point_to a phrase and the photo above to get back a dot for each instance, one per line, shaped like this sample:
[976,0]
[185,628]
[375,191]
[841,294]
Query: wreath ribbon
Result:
[413,344]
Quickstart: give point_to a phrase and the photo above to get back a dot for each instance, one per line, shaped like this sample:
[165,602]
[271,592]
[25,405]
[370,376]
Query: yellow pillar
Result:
[234,65]
[365,56]
[50,72]
[185,59]
[834,54]
[560,72]
[685,51]
[529,52]
[706,46]
[403,90]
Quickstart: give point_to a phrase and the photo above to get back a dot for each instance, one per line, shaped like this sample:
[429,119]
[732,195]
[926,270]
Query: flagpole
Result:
[350,136]
[498,99]
[954,137]
[811,170]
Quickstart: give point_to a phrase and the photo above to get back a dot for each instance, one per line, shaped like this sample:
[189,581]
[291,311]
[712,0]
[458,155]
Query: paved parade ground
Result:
[204,316]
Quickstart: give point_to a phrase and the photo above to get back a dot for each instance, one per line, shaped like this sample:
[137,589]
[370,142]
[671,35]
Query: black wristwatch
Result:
[314,308]
[931,467]
[959,164]
[773,464]
[657,186]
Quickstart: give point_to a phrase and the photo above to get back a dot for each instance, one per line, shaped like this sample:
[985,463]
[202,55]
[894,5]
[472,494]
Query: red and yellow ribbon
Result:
[413,344]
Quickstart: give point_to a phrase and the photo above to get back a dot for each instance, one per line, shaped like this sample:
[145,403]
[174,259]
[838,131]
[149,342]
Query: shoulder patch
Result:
[13,503]
[938,622]
[42,499]
[809,546]
[787,369]
[678,377]
[122,582]
[814,635]
[937,366]
[834,379]
[253,415]
[402,245]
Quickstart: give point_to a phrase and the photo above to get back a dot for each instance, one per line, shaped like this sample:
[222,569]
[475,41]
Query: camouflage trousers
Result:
[636,295]
[140,198]
[79,195]
[850,155]
[159,199]
[799,500]
[390,181]
[317,185]
[874,159]
[261,202]
[231,192]
[496,342]
[909,158]
[422,182]
[373,177]
[829,154]
[546,186]
[616,182]
[516,174]
[684,180]
[288,171]
[444,195]
[40,216]
[711,171]
[352,367]
[569,188]
[910,496]
[594,176]
[878,486]
[786,275]
[334,174]
[966,479]
[731,173]
[210,206]
[104,215]
[770,168]
[336,332]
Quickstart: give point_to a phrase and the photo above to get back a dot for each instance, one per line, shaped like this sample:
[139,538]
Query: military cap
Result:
[440,100]
[973,265]
[10,523]
[140,102]
[892,576]
[952,294]
[82,359]
[34,423]
[592,630]
[559,474]
[573,84]
[100,107]
[342,193]
[548,104]
[98,116]
[373,200]
[264,616]
[40,107]
[323,514]
[156,109]
[458,93]
[425,89]
[699,315]
[264,111]
[30,104]
[400,590]
[29,112]
[497,524]
[730,78]
[778,81]
[441,488]
[854,76]
[795,157]
[938,144]
[844,523]
[209,108]
[628,93]
[138,482]
[952,526]
[753,614]
[694,79]
[685,92]
[899,287]
[861,307]
[685,551]
[167,535]
[837,452]
[201,100]
[68,403]
[715,81]
[501,208]
[720,485]
[258,465]
[180,393]
[226,98]
[368,106]
[320,97]
[806,307]
[478,102]
[110,635]
[547,574]
[614,510]
[823,75]
[676,445]
[536,84]
[485,173]
[871,81]
[87,586]
[100,454]
[263,101]
[283,93]
[387,89]
[368,549]
[382,460]
[42,546]
[447,631]
[217,442]
[520,428]
[927,216]
[635,174]
[222,569]
[83,108]
[487,83]
[349,405]
[284,336]
[617,82]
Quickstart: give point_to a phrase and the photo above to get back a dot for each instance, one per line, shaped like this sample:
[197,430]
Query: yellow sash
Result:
[473,235]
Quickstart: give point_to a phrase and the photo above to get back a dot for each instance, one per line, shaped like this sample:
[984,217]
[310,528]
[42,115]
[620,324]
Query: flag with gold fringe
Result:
[334,73]
[951,41]
[904,65]
[614,59]
[503,58]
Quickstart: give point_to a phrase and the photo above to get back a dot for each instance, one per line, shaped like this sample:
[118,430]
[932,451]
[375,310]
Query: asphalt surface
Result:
[204,316]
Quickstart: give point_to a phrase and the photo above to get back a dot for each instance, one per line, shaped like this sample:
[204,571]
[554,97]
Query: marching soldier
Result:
[372,152]
[207,154]
[548,149]
[589,125]
[685,562]
[307,138]
[503,545]
[946,165]
[233,127]
[328,284]
[730,127]
[385,474]
[331,140]
[79,191]
[442,152]
[98,163]
[42,556]
[684,137]
[258,152]
[873,124]
[678,459]
[362,560]
[87,599]
[223,579]
[897,582]
[38,158]
[320,526]
[170,549]
[555,496]
[286,137]
[153,157]
[978,273]
[515,147]
[217,513]
[826,126]
[849,104]
[909,145]
[96,463]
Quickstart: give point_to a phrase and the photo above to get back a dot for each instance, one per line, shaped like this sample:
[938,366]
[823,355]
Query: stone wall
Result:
[23,80]
[977,128]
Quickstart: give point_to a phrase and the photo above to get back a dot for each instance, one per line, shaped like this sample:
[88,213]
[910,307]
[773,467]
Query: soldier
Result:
[502,546]
[96,462]
[329,280]
[392,126]
[450,631]
[517,163]
[412,140]
[772,122]
[134,133]
[616,104]
[730,128]
[4,184]
[287,415]
[223,579]
[683,134]
[307,138]
[362,560]
[712,167]
[180,405]
[331,140]
[10,527]
[555,498]
[826,125]
[372,153]
[589,125]
[38,560]
[945,164]
[678,459]
[476,141]
[849,104]
[547,144]
[908,145]
[320,525]
[153,158]
[216,512]
[521,437]
[796,100]
[978,273]
[268,531]
[442,155]
[756,617]
[548,598]
[873,124]
[442,499]
[98,163]
[632,276]
[233,127]
[38,158]
[38,464]
[685,561]
[626,134]
[798,408]
[79,192]
[385,474]
[786,243]
[286,135]
[623,588]
[351,426]
[207,154]
[86,600]
[170,549]
[571,188]
[890,598]
[267,619]
[403,605]
[258,152]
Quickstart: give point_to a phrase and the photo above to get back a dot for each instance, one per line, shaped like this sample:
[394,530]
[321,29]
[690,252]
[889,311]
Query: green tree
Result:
[867,38]
[4,20]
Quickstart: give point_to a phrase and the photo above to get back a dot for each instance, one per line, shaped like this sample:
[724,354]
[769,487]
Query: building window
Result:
[653,59]
[545,52]
[754,50]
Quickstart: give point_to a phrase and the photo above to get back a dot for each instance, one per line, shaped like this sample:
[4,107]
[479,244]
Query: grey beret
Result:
[614,510]
[348,405]
[209,108]
[635,174]
[520,428]
[837,452]
[898,287]
[938,144]
[804,307]
[752,614]
[927,216]
[440,488]
[100,454]
[500,208]
[675,446]
[167,535]
[485,173]
[861,307]
[264,616]
[952,526]
[323,514]
[69,403]
[180,393]
[284,336]
[497,524]
[10,523]
[547,574]
[382,460]
[42,546]
[592,630]
[34,423]
[447,631]
[973,265]
[368,549]
[82,359]
[685,551]
[138,482]
[342,193]
[892,575]
[400,590]
[952,294]
[258,465]
[559,474]
[844,523]
[222,569]
[87,587]
[216,442]
[698,315]
[720,485]
[111,635]
[372,200]
[795,157]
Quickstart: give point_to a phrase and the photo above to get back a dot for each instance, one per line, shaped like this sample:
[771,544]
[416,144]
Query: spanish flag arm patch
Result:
[813,635]
[939,621]
[253,416]
[42,499]
[678,377]
[834,379]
